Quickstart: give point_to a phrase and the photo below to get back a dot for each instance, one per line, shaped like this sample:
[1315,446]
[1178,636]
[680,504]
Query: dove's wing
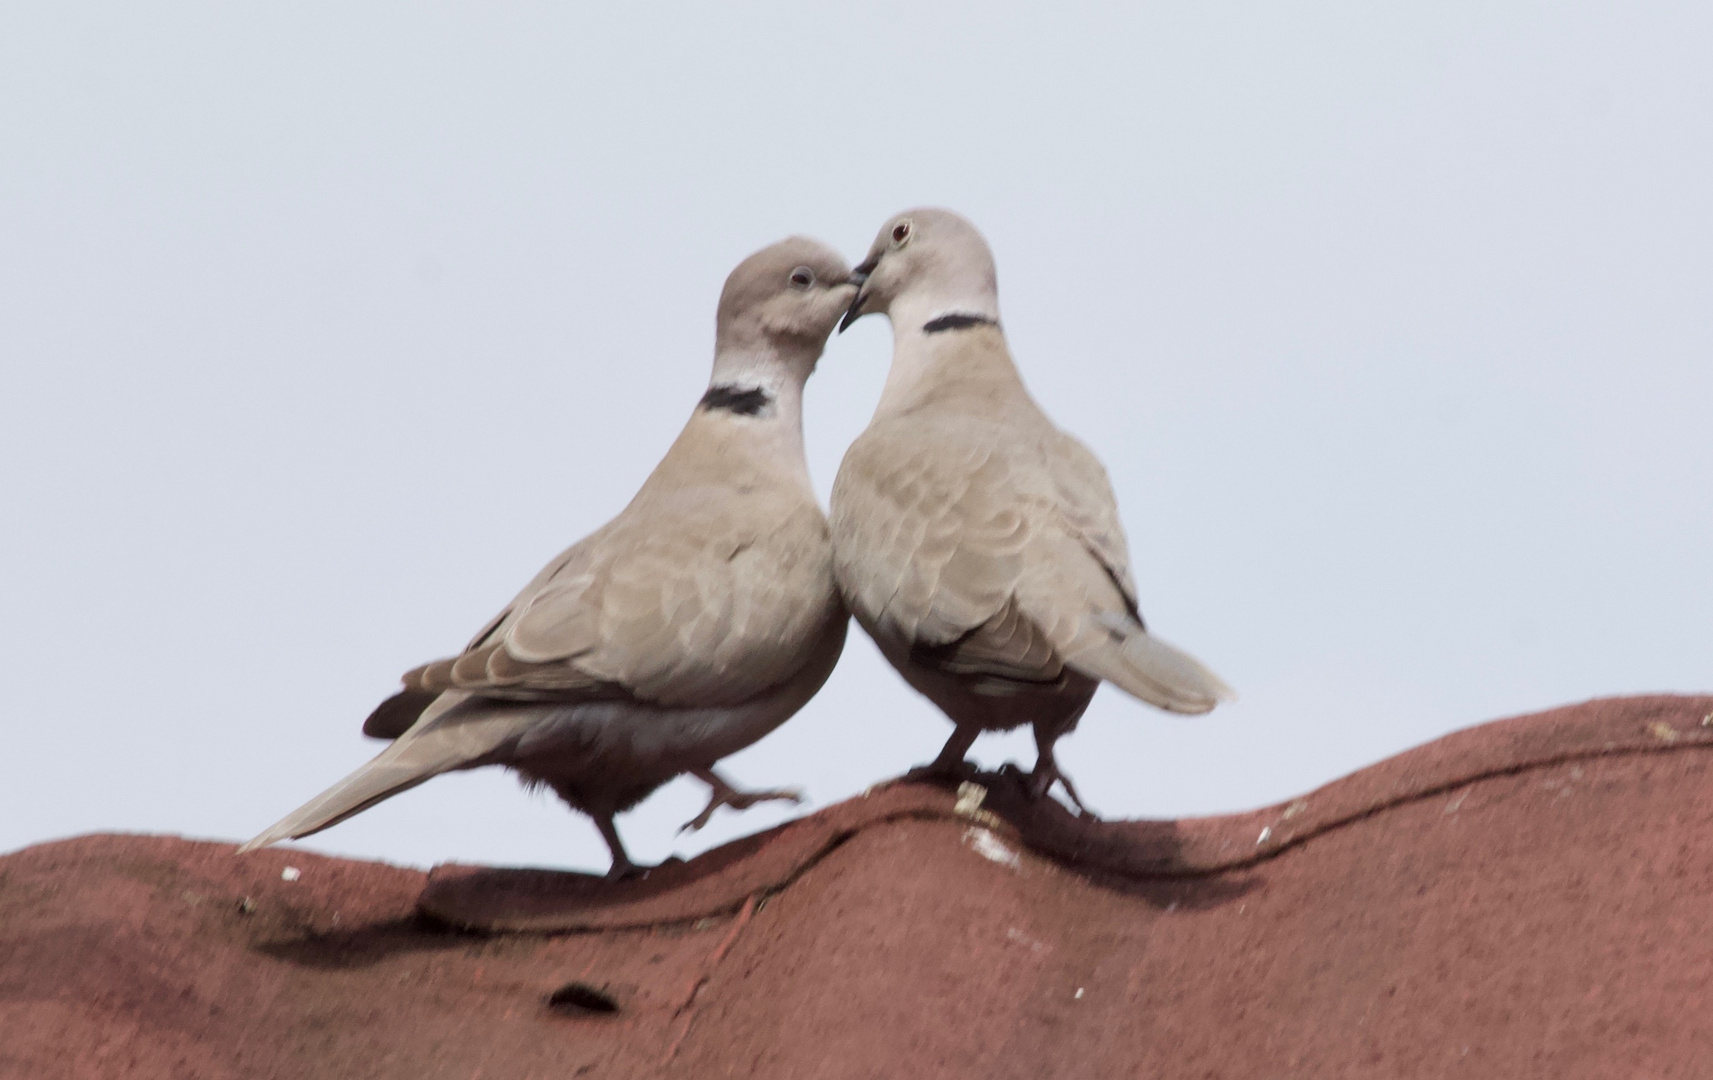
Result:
[705,595]
[986,548]
[1089,509]
[394,716]
[934,521]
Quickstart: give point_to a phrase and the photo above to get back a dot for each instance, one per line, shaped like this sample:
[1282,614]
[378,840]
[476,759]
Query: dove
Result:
[695,622]
[976,543]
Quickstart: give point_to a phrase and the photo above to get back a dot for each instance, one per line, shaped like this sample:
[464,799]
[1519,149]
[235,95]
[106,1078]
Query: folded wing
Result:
[984,550]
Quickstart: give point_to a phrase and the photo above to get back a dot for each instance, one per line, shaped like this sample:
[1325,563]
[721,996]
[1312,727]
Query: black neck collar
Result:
[957,320]
[742,400]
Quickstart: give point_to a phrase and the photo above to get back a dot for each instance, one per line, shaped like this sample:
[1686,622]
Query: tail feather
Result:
[1143,666]
[421,754]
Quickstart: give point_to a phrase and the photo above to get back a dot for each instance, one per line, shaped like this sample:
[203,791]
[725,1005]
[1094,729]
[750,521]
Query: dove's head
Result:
[926,264]
[782,302]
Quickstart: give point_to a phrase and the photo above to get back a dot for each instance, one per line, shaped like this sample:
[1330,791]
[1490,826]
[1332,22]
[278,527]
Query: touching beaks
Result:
[859,278]
[854,312]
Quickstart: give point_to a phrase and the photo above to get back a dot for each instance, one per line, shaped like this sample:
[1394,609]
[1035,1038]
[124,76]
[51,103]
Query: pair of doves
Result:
[977,544]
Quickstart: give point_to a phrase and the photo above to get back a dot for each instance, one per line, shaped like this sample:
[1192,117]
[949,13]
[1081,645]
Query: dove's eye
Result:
[802,277]
[901,232]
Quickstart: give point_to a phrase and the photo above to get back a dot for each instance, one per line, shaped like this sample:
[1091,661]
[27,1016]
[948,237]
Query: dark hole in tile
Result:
[581,999]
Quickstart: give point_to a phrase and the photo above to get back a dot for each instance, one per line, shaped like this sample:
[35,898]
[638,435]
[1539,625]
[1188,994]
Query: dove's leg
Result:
[622,866]
[722,793]
[1046,767]
[950,765]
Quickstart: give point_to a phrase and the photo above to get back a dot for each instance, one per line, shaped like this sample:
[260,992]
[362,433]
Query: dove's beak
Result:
[859,277]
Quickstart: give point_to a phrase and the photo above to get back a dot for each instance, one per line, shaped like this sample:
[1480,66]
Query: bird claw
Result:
[1041,780]
[738,800]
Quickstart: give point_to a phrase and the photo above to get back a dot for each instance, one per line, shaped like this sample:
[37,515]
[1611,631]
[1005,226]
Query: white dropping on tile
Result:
[970,798]
[992,848]
[1266,831]
[1079,993]
[290,873]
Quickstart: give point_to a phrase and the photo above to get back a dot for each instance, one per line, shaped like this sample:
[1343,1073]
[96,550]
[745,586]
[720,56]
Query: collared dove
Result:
[688,627]
[977,543]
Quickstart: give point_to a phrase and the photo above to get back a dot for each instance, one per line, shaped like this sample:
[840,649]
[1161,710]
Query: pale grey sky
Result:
[322,329]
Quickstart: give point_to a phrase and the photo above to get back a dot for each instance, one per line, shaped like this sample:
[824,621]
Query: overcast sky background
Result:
[322,329]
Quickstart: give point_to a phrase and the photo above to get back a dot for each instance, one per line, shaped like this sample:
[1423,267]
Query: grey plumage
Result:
[686,628]
[978,544]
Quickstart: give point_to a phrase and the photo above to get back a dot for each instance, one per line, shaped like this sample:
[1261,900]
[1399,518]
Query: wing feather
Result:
[1089,509]
[704,595]
[933,526]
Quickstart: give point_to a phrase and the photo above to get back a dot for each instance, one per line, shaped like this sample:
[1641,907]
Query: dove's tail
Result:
[1143,666]
[421,754]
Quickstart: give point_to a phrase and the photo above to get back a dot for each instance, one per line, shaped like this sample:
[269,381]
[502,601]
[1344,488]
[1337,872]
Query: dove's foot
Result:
[724,794]
[949,767]
[1041,781]
[1046,772]
[622,869]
